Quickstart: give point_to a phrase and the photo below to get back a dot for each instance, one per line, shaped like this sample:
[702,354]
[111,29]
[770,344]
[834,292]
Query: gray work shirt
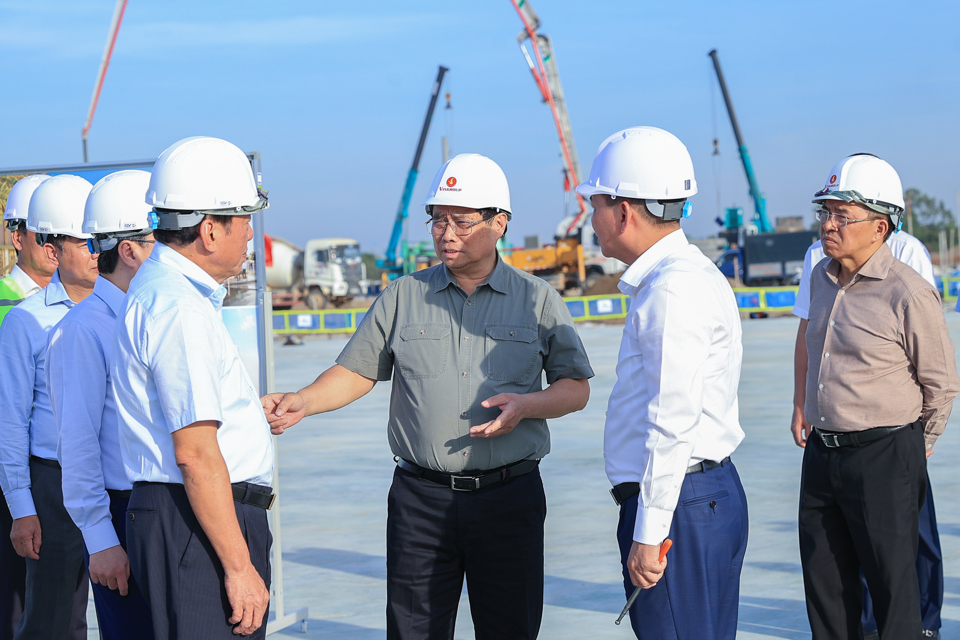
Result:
[451,352]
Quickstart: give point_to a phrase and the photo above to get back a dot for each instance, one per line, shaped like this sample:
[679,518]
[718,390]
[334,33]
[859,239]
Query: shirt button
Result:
[469,301]
[464,374]
[826,355]
[822,418]
[422,331]
[843,292]
[832,322]
[821,386]
[463,414]
[513,333]
[467,339]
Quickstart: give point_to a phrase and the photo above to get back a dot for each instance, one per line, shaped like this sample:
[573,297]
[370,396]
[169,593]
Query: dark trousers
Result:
[929,571]
[436,535]
[56,587]
[859,511]
[121,617]
[699,593]
[13,578]
[176,567]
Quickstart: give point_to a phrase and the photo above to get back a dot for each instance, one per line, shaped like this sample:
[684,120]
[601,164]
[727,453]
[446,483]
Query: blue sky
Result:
[333,94]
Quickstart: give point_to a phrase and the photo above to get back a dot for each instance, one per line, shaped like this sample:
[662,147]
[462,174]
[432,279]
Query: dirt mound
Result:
[604,285]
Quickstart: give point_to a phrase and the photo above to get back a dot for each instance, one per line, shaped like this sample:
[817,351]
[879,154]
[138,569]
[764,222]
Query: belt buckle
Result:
[827,442]
[464,483]
[273,498]
[615,495]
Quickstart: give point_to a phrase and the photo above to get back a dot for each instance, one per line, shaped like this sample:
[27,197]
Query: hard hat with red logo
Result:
[865,179]
[472,181]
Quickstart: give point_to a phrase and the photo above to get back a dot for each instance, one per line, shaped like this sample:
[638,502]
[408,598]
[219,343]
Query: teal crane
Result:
[393,263]
[759,202]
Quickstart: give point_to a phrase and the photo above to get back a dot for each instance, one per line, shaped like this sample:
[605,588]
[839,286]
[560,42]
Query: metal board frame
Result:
[93,171]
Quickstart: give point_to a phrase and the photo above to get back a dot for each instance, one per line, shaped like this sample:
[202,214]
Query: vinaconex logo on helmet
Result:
[833,178]
[451,185]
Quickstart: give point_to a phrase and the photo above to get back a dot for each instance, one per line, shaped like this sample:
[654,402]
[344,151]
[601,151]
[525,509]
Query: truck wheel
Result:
[316,300]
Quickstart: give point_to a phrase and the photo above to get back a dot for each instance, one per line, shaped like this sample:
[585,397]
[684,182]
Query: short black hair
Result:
[641,206]
[186,237]
[108,260]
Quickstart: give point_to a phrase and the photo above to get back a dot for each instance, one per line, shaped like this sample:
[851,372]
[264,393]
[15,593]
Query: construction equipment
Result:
[329,272]
[575,260]
[395,265]
[118,12]
[543,66]
[759,202]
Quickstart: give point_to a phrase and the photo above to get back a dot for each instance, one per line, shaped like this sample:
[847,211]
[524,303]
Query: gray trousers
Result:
[57,584]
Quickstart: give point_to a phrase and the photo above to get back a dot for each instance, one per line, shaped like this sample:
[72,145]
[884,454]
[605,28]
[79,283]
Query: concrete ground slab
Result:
[335,471]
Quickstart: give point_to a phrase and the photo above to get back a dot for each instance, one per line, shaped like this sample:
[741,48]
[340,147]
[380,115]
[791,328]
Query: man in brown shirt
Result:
[880,387]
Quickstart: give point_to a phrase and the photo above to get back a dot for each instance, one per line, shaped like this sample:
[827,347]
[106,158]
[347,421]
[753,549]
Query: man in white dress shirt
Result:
[95,485]
[672,418]
[191,423]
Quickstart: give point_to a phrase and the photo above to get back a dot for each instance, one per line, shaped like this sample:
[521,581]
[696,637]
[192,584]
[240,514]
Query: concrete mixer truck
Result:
[329,272]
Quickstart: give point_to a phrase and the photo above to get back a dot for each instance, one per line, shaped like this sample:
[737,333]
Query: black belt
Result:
[119,493]
[480,479]
[626,490]
[837,439]
[253,494]
[53,464]
[243,492]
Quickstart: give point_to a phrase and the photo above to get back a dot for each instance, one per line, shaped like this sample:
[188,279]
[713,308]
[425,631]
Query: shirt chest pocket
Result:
[423,351]
[511,353]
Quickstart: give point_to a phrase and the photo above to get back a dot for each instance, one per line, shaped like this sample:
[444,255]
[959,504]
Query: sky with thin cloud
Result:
[334,94]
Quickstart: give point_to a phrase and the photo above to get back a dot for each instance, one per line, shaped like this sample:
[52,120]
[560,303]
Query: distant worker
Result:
[672,418]
[466,343]
[30,474]
[911,252]
[880,384]
[191,424]
[95,485]
[31,274]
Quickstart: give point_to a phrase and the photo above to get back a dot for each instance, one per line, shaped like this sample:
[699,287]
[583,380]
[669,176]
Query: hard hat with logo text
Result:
[865,179]
[472,181]
[116,209]
[648,164]
[199,176]
[18,200]
[56,208]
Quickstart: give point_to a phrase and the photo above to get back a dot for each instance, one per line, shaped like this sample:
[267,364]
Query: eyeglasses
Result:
[97,245]
[437,226]
[841,221]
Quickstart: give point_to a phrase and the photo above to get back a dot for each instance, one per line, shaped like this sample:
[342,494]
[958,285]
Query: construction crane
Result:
[543,66]
[392,263]
[759,203]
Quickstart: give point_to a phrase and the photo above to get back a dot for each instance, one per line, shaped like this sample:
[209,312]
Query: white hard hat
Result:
[18,200]
[199,176]
[56,207]
[646,163]
[472,181]
[865,179]
[116,209]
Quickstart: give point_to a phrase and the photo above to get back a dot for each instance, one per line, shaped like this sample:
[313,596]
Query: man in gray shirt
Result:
[466,343]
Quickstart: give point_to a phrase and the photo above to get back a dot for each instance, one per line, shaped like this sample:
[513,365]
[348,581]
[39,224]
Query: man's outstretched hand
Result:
[283,410]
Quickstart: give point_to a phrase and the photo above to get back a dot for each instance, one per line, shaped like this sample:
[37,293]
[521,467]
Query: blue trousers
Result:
[699,593]
[929,571]
[121,617]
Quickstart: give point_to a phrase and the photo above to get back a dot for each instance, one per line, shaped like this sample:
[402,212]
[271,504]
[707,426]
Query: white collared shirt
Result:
[175,364]
[25,282]
[27,425]
[905,247]
[675,400]
[79,384]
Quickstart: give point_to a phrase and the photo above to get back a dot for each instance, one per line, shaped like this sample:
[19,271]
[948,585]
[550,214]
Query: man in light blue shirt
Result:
[29,472]
[95,485]
[191,423]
